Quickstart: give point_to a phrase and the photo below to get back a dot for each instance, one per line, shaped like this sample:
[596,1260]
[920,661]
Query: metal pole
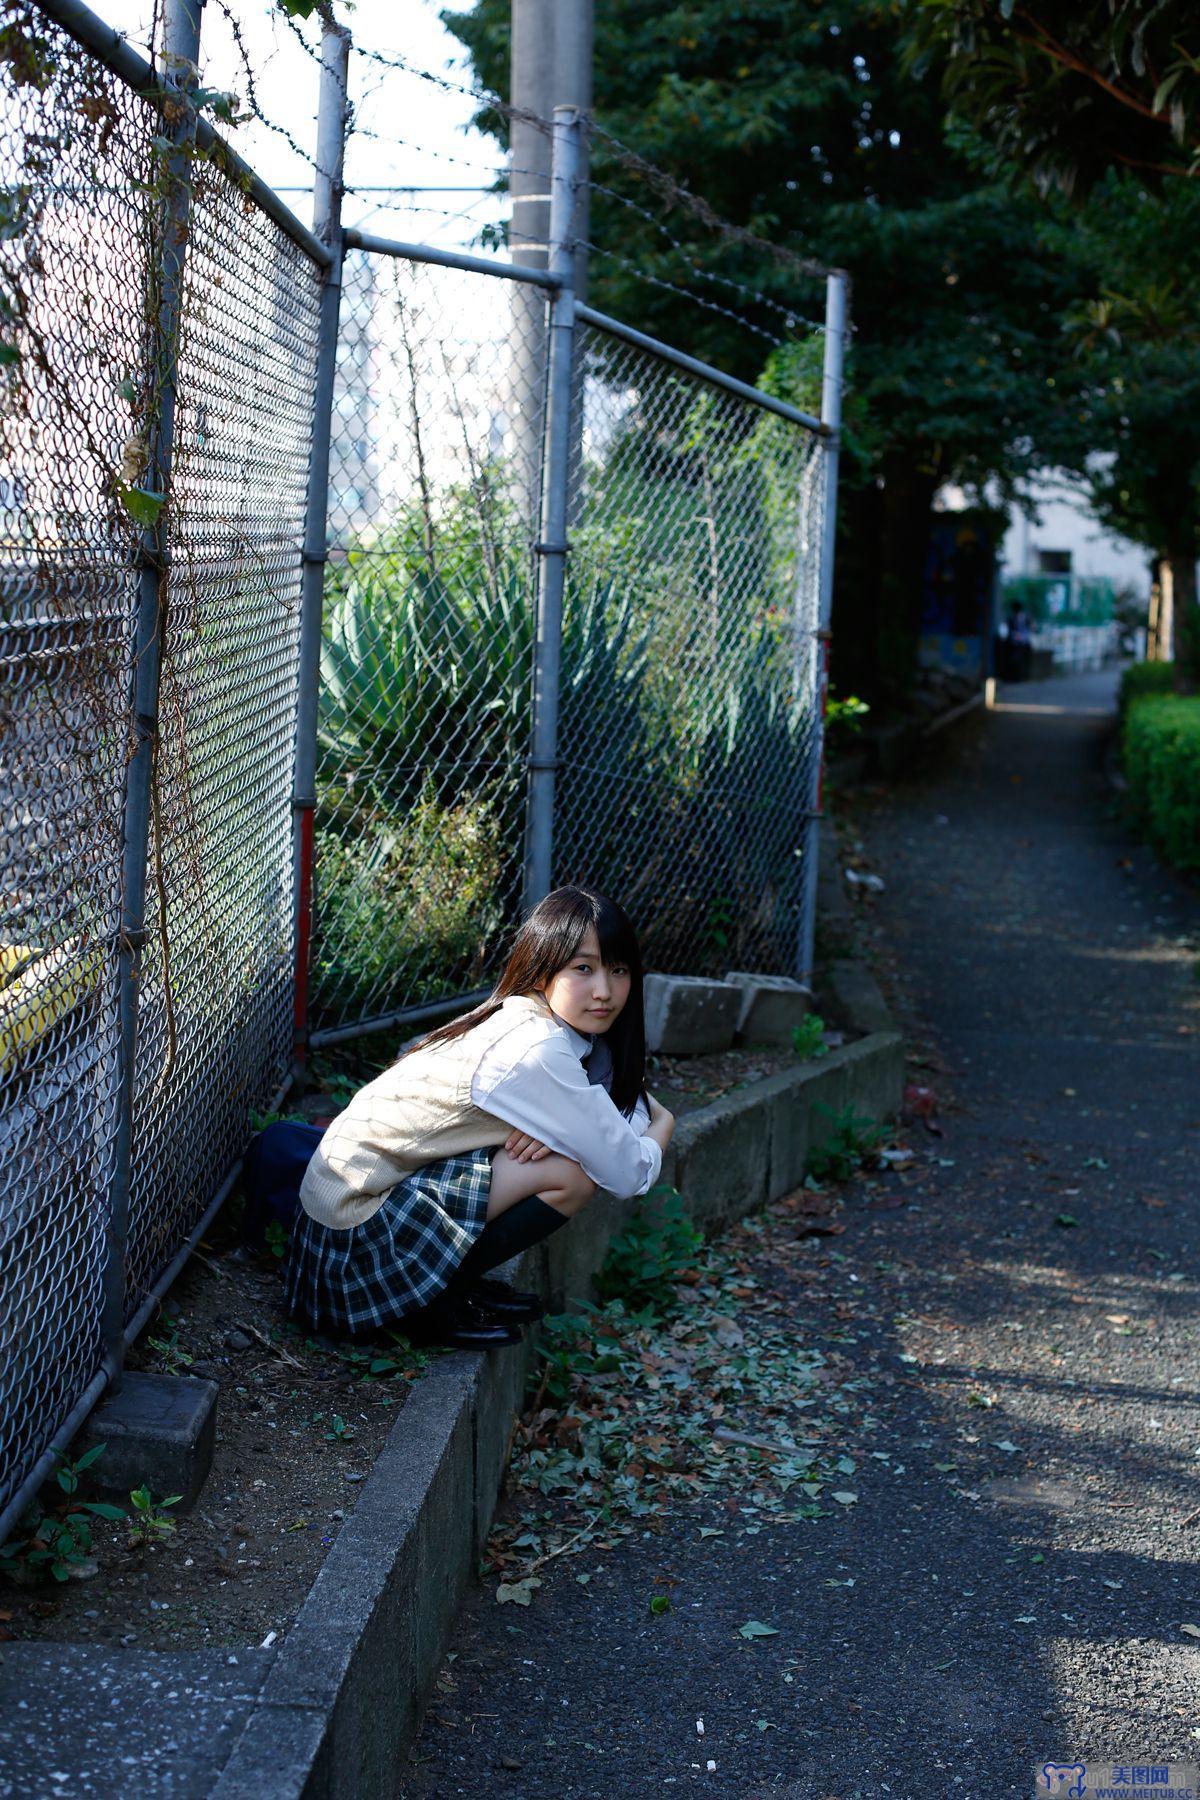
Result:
[574,32]
[332,114]
[831,419]
[532,82]
[446,259]
[181,55]
[552,548]
[588,315]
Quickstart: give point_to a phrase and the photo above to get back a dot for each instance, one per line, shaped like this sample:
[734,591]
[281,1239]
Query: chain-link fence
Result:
[215,1010]
[93,191]
[169,358]
[689,718]
[689,687]
[428,634]
[72,176]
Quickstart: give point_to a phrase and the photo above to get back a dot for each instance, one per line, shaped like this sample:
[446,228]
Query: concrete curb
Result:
[330,1713]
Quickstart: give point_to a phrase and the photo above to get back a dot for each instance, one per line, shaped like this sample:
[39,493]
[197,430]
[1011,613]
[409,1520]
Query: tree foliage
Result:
[1135,336]
[1068,90]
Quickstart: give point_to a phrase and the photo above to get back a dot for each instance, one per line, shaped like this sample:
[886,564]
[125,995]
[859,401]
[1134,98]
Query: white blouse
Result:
[533,1077]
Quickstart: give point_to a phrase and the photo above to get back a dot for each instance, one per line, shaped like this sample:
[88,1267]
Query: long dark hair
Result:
[546,943]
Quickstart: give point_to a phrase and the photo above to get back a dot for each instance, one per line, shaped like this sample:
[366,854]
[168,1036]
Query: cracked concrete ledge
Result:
[329,1714]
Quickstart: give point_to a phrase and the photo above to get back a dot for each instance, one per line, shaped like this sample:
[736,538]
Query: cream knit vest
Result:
[416,1112]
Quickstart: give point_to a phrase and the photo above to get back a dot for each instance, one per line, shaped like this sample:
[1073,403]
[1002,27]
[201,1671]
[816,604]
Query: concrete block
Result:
[687,1016]
[853,997]
[574,1254]
[790,1132]
[285,1751]
[158,1431]
[772,1006]
[368,1640]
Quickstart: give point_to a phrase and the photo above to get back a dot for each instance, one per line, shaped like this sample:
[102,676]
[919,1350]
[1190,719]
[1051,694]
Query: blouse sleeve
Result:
[547,1094]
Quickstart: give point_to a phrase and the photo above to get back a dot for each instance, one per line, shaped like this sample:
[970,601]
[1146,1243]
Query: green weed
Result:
[276,1239]
[851,1141]
[52,1541]
[808,1039]
[647,1260]
[174,1356]
[150,1521]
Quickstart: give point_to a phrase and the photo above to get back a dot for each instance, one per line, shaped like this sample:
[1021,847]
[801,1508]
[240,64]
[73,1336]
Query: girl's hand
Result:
[662,1123]
[525,1149]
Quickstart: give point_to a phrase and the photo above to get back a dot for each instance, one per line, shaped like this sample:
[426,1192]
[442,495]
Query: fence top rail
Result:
[110,48]
[705,371]
[449,259]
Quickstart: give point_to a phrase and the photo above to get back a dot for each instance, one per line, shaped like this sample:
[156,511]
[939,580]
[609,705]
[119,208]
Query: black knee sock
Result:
[514,1230]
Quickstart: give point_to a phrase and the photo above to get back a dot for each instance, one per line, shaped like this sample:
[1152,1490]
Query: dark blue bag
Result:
[271,1175]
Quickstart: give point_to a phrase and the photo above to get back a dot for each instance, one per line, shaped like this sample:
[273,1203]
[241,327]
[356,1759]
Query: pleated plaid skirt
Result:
[353,1282]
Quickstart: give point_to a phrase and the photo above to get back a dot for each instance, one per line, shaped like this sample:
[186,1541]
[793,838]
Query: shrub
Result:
[408,910]
[1142,679]
[420,676]
[1160,750]
[54,1539]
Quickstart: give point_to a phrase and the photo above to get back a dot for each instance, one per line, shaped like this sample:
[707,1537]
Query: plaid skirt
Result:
[352,1282]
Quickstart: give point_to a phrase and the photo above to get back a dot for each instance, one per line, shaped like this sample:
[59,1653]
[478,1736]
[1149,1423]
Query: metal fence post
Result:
[327,225]
[181,54]
[831,418]
[552,548]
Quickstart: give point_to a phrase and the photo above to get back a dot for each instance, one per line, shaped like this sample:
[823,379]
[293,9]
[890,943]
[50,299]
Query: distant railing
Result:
[1062,599]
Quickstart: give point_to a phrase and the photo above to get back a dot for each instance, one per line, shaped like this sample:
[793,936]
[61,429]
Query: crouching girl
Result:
[482,1139]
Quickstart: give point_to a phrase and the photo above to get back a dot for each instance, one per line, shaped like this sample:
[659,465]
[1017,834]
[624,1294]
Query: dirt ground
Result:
[299,1424]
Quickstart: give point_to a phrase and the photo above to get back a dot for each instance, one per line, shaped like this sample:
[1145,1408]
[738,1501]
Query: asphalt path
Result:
[1011,1584]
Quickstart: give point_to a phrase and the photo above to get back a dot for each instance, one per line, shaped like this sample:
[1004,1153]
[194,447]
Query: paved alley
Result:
[1019,1577]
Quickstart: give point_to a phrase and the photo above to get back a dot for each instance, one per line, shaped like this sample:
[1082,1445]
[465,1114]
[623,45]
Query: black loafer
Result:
[509,1304]
[461,1323]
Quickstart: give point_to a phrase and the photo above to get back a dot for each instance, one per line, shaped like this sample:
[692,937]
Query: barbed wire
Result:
[789,314]
[256,110]
[669,188]
[460,162]
[390,138]
[671,192]
[678,194]
[673,287]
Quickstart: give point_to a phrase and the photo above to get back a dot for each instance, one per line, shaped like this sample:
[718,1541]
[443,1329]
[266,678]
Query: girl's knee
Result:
[572,1188]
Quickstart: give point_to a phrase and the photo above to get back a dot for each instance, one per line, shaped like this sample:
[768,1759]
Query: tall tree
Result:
[1137,339]
[1101,100]
[796,120]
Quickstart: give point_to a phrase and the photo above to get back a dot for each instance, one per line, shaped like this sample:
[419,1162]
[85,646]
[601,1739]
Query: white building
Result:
[1056,533]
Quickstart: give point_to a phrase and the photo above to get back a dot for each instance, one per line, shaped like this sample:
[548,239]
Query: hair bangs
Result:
[616,936]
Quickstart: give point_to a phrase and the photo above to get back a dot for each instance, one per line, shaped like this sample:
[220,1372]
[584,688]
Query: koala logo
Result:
[1055,1775]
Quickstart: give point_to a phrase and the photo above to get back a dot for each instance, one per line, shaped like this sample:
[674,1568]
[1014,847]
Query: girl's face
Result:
[585,994]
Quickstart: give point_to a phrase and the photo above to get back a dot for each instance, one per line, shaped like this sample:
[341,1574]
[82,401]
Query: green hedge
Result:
[1144,678]
[1160,751]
